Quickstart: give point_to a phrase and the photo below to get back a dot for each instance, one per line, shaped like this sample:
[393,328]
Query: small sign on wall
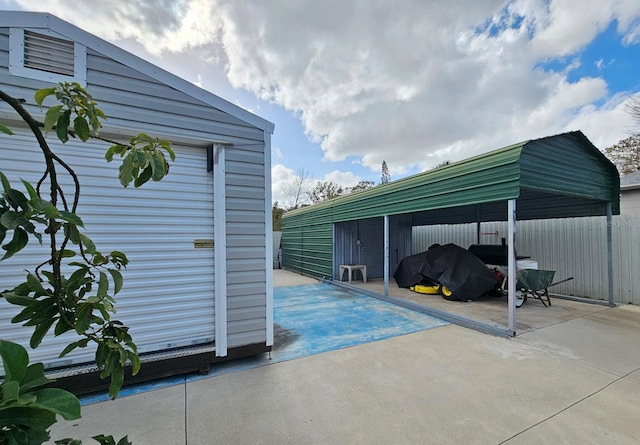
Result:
[203,244]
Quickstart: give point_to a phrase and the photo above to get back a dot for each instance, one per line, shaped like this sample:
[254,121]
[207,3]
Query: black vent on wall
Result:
[46,53]
[209,158]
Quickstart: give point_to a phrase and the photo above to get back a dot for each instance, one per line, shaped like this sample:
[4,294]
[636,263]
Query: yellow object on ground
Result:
[422,289]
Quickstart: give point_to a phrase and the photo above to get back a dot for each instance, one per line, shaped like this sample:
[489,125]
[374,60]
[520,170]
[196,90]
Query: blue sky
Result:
[349,84]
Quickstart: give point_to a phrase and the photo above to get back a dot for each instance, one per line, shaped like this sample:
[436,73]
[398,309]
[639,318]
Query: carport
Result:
[558,176]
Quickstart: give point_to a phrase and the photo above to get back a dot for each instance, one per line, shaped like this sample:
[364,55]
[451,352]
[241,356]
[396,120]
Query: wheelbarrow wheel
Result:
[520,298]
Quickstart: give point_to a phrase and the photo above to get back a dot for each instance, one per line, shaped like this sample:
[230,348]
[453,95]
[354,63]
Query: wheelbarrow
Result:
[535,283]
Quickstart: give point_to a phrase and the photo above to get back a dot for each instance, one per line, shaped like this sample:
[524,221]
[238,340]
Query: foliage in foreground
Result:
[81,299]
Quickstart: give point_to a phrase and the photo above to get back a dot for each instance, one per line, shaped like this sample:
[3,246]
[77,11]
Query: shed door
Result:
[167,298]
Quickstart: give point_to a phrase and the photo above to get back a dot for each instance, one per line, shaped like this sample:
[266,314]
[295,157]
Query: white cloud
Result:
[343,179]
[419,83]
[160,25]
[414,83]
[607,124]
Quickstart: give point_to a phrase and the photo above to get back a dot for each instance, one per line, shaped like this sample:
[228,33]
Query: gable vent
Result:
[46,53]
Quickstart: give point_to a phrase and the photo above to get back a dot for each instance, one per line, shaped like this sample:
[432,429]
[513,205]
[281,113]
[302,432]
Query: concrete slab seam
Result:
[588,396]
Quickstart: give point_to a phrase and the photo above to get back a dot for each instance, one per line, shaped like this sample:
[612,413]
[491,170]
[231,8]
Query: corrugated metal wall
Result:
[630,204]
[167,298]
[246,245]
[574,247]
[308,249]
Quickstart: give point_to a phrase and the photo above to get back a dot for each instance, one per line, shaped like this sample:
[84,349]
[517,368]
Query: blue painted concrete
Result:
[312,319]
[324,317]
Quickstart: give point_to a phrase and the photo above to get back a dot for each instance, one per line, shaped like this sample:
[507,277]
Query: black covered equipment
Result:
[451,266]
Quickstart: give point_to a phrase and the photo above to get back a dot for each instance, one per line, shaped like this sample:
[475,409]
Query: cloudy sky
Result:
[350,83]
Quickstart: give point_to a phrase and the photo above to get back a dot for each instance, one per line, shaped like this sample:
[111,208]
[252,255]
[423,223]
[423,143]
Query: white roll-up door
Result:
[168,294]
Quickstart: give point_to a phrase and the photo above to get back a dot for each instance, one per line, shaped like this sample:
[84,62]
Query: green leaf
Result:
[18,198]
[81,128]
[34,378]
[83,317]
[32,191]
[5,130]
[159,166]
[73,233]
[51,118]
[39,332]
[39,420]
[61,327]
[124,441]
[45,207]
[76,344]
[14,359]
[135,362]
[18,300]
[103,285]
[89,247]
[110,152]
[71,218]
[67,253]
[126,171]
[42,94]
[19,241]
[144,176]
[12,220]
[117,379]
[35,285]
[116,149]
[117,280]
[59,401]
[62,126]
[68,441]
[138,157]
[10,391]
[105,440]
[5,183]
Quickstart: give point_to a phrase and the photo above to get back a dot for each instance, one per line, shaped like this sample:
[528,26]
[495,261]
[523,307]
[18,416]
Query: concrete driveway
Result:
[573,382]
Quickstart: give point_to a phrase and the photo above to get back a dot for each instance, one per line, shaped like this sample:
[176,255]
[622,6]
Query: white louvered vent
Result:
[46,56]
[46,53]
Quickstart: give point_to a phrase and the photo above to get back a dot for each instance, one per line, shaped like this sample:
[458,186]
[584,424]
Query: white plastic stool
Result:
[350,268]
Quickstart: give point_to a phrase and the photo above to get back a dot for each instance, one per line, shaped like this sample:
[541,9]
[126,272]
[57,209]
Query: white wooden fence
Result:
[573,247]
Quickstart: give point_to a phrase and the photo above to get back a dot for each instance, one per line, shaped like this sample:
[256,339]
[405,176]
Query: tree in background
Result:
[360,186]
[386,177]
[295,193]
[633,108]
[276,217]
[625,154]
[324,191]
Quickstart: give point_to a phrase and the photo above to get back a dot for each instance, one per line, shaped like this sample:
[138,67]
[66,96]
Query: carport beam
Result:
[511,209]
[386,255]
[610,252]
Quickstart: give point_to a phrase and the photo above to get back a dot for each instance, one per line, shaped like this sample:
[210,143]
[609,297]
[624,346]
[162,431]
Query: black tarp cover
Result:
[450,265]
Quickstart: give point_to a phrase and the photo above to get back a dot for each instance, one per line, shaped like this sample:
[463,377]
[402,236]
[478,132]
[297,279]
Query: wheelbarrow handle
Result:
[561,281]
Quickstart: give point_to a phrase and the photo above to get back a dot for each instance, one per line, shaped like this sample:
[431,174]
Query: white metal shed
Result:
[199,286]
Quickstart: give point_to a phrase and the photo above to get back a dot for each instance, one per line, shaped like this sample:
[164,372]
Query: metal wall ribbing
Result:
[573,247]
[167,298]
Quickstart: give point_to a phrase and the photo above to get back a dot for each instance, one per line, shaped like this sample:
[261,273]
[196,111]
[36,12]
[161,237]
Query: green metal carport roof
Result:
[553,177]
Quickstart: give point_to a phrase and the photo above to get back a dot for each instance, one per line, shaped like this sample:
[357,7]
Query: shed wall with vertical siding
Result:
[138,97]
